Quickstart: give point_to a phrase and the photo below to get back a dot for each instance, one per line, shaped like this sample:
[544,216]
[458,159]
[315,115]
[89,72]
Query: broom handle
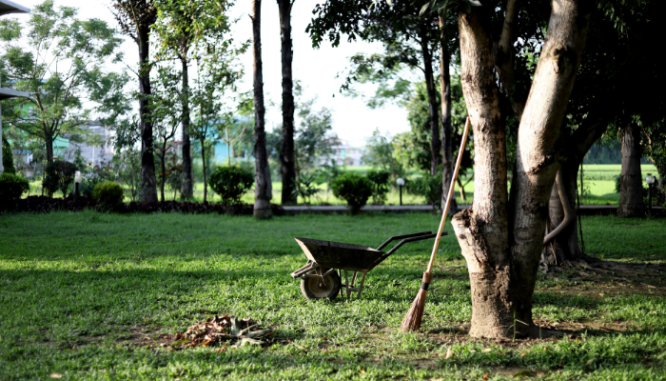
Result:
[445,211]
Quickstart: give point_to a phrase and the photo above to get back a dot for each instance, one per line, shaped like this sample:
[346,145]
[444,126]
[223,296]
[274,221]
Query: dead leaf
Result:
[449,353]
[485,376]
[55,375]
[487,350]
[362,371]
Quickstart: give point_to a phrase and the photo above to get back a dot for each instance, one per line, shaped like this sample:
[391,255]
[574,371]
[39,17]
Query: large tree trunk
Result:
[263,191]
[631,191]
[502,250]
[287,160]
[186,190]
[435,144]
[148,181]
[447,133]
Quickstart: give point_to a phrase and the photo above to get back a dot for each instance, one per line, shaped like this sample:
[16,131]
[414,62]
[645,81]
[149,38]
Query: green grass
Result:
[85,294]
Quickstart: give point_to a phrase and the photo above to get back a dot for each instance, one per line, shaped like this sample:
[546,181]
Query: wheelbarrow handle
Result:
[413,239]
[383,245]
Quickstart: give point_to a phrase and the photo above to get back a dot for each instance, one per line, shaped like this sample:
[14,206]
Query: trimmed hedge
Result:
[231,183]
[11,188]
[353,188]
[109,195]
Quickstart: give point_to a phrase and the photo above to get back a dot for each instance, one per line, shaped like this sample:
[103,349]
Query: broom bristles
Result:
[412,321]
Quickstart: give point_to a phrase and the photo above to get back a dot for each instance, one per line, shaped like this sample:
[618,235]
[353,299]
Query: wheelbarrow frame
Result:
[338,253]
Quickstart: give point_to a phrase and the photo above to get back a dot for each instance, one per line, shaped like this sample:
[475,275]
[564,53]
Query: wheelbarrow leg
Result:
[360,288]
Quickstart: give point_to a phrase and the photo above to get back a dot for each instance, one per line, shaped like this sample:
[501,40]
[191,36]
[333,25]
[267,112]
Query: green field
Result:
[90,296]
[598,182]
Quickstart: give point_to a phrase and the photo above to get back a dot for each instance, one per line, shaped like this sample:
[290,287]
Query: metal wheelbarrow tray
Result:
[319,278]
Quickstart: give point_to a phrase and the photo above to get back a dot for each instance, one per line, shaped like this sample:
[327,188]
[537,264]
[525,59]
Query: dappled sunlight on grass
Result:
[88,296]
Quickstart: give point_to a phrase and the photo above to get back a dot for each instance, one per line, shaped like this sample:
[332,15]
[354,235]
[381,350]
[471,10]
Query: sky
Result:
[317,69]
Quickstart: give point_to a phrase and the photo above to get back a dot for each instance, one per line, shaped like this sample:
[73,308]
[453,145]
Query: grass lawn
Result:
[90,296]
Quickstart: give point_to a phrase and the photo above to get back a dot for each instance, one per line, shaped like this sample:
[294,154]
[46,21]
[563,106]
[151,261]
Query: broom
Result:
[412,321]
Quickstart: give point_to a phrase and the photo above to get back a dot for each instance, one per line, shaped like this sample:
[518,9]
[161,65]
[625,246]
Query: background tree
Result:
[136,18]
[379,153]
[287,158]
[616,46]
[165,114]
[408,40]
[61,66]
[217,72]
[315,140]
[263,190]
[181,24]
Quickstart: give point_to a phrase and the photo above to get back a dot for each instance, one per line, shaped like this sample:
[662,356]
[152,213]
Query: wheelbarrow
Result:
[321,276]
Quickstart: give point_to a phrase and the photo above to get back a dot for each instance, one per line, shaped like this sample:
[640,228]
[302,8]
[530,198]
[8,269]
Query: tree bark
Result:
[447,133]
[502,241]
[564,249]
[482,229]
[48,141]
[163,169]
[287,160]
[435,143]
[538,153]
[148,180]
[187,188]
[631,190]
[203,169]
[263,191]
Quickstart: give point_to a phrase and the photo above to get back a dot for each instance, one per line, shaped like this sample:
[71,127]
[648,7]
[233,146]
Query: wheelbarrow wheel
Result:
[313,288]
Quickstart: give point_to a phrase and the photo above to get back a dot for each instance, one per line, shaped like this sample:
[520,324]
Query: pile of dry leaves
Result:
[223,329]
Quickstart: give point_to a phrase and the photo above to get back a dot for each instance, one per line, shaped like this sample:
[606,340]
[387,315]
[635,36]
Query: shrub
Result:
[58,176]
[7,156]
[11,188]
[428,186]
[354,188]
[380,185]
[109,194]
[306,186]
[231,183]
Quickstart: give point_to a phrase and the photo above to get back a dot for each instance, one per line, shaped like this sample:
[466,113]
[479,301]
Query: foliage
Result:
[428,186]
[379,154]
[59,62]
[231,183]
[217,69]
[353,188]
[94,176]
[109,195]
[58,175]
[127,164]
[314,140]
[412,149]
[329,172]
[12,187]
[7,156]
[381,184]
[306,186]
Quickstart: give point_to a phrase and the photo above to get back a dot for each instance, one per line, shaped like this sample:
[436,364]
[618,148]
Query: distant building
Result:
[94,155]
[345,154]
